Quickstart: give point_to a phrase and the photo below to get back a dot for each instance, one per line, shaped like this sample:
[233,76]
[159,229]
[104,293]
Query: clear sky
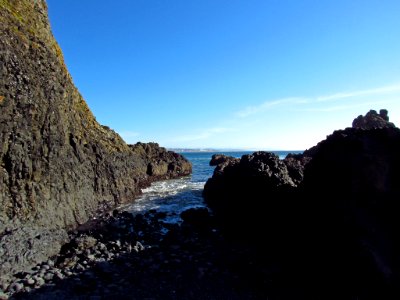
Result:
[250,74]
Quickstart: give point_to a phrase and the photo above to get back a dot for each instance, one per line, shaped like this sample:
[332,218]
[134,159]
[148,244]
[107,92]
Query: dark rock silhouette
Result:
[330,211]
[352,185]
[58,166]
[250,194]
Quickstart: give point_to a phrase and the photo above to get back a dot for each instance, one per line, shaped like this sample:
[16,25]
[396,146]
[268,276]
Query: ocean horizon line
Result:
[179,150]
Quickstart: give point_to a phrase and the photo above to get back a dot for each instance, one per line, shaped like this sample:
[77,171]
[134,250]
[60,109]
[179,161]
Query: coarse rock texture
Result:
[220,159]
[160,163]
[58,166]
[330,211]
[251,192]
[129,257]
[132,257]
[373,120]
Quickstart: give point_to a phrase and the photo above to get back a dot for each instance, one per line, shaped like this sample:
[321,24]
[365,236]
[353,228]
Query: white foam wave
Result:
[170,196]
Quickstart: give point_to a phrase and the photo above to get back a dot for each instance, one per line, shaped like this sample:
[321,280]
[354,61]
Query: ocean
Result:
[176,195]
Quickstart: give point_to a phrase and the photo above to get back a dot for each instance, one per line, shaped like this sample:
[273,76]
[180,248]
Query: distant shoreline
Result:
[181,150]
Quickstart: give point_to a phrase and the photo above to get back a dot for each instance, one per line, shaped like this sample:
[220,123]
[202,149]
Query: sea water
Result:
[176,195]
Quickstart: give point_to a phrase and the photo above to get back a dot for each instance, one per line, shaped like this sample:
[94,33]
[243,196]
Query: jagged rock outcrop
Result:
[160,163]
[58,166]
[336,219]
[373,120]
[250,192]
[295,164]
[219,159]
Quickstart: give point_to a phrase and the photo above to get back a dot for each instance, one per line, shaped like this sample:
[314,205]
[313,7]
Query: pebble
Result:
[79,267]
[50,263]
[4,286]
[3,296]
[39,281]
[91,257]
[48,276]
[90,251]
[16,287]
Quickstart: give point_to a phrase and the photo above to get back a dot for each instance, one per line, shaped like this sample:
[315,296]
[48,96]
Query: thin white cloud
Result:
[376,91]
[270,104]
[203,135]
[346,107]
[251,110]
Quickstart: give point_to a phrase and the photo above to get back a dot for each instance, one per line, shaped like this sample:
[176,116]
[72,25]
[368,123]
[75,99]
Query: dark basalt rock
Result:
[197,219]
[161,164]
[58,166]
[330,212]
[250,193]
[295,163]
[373,120]
[352,185]
[218,159]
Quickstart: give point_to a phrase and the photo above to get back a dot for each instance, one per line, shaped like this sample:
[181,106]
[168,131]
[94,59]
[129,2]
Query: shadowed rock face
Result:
[251,193]
[58,166]
[331,211]
[352,183]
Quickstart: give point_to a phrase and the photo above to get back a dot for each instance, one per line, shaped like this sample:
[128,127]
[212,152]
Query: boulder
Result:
[250,193]
[218,159]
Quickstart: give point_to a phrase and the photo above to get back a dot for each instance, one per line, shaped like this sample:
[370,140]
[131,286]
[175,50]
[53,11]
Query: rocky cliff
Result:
[58,165]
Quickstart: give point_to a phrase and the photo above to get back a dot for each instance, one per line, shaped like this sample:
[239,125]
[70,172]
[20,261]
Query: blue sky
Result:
[249,74]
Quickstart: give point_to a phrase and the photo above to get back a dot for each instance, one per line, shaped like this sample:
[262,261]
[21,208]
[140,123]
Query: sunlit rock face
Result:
[373,120]
[58,165]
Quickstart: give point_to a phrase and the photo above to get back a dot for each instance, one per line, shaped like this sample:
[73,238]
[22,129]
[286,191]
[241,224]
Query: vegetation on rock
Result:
[58,165]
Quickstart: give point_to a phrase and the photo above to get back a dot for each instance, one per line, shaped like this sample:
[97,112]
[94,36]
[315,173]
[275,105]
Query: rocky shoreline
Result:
[302,227]
[142,257]
[317,225]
